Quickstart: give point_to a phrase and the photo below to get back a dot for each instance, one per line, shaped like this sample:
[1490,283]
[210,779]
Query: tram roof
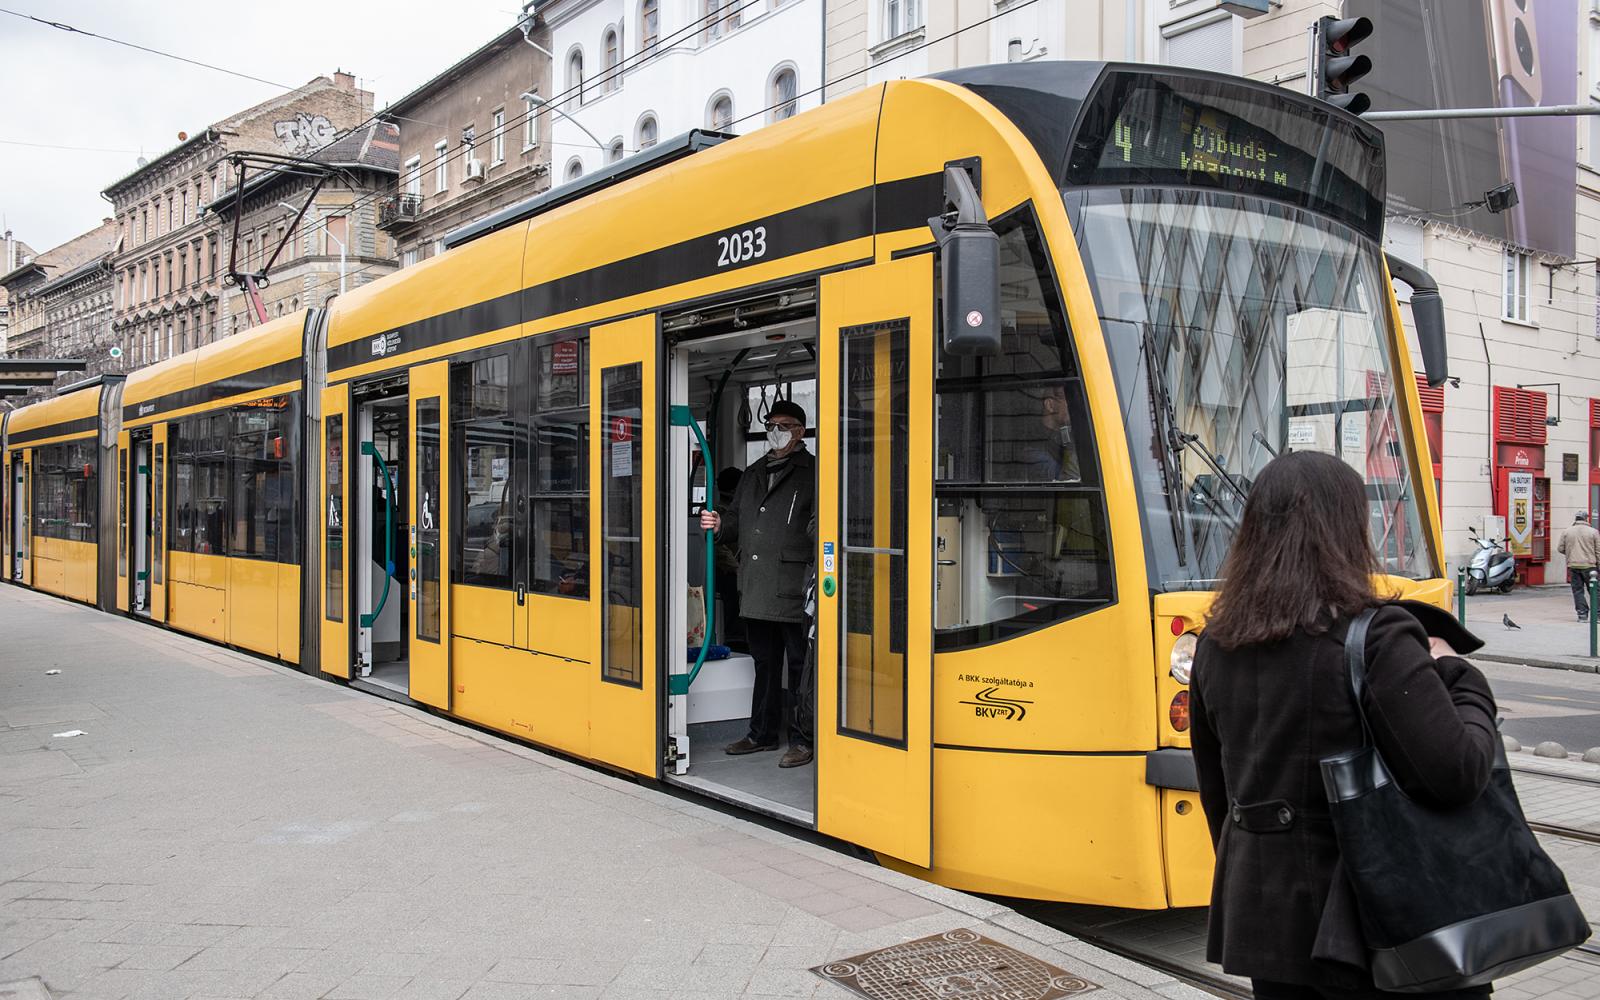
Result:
[259,358]
[75,404]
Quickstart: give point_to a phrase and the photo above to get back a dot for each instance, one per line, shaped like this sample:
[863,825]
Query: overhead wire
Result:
[837,80]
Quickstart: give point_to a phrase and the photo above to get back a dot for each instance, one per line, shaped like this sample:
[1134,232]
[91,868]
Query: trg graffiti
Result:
[305,133]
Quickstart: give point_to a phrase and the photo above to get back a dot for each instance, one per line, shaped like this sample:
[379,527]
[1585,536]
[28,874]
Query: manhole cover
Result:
[955,965]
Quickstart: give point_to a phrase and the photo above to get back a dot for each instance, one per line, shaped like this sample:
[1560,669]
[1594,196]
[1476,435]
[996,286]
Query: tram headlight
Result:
[1183,657]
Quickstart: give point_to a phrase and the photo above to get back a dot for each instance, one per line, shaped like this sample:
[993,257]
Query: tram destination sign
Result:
[1152,129]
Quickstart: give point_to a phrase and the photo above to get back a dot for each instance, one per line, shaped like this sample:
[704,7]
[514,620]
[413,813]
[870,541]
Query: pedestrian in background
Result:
[1271,699]
[1581,545]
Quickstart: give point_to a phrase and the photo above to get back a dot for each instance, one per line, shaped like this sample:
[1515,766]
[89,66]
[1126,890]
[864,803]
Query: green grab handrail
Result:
[369,448]
[682,416]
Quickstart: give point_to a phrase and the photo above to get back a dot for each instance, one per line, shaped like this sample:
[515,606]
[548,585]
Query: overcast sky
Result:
[66,89]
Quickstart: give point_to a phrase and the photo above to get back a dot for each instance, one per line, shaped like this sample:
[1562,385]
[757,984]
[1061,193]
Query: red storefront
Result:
[1594,461]
[1521,488]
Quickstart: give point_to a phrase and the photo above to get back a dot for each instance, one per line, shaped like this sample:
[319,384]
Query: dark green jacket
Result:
[774,527]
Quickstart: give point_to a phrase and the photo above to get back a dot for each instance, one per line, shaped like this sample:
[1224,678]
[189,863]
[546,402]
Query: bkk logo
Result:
[988,705]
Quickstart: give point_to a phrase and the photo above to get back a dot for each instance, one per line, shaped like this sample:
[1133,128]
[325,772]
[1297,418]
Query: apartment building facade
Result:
[168,275]
[630,73]
[59,303]
[471,141]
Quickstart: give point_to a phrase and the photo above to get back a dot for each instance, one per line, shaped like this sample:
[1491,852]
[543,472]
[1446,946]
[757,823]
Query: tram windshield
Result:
[1246,315]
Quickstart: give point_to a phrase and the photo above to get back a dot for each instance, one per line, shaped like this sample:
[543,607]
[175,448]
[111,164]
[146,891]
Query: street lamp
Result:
[328,233]
[538,101]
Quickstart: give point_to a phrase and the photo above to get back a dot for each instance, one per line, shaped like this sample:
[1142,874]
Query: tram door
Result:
[875,568]
[21,505]
[139,540]
[623,506]
[335,603]
[429,590]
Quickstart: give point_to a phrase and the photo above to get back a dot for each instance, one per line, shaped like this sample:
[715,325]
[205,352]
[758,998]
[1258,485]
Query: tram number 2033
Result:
[741,246]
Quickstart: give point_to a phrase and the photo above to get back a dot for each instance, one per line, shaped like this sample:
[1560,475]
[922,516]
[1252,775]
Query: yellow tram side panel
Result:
[60,566]
[1068,818]
[543,692]
[823,153]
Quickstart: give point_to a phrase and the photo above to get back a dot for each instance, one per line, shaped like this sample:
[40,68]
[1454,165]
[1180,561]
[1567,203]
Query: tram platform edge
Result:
[229,826]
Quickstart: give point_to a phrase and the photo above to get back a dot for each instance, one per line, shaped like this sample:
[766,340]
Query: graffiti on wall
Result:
[305,133]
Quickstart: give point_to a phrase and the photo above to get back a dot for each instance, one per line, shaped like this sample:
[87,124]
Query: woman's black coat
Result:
[1263,717]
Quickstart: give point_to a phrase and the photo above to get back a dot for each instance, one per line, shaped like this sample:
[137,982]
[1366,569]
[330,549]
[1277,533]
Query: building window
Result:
[336,229]
[782,99]
[441,180]
[614,151]
[171,213]
[212,253]
[720,117]
[185,206]
[574,169]
[183,269]
[901,16]
[575,74]
[530,128]
[722,17]
[498,144]
[408,258]
[1206,41]
[610,55]
[414,177]
[1518,276]
[216,186]
[647,132]
[649,24]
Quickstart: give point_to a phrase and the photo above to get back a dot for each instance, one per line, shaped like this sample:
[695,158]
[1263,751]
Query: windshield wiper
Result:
[1161,418]
[1177,441]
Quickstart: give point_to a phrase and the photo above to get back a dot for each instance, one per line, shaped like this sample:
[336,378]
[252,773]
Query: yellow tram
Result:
[1049,319]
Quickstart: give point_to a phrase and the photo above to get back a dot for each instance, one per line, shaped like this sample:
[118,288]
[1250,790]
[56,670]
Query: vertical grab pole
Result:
[682,416]
[1461,595]
[369,448]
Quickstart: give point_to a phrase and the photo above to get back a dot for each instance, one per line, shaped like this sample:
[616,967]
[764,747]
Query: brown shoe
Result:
[745,745]
[796,756]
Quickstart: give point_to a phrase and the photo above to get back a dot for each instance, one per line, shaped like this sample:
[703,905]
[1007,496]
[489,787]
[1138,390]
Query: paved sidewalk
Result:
[230,828]
[1550,634]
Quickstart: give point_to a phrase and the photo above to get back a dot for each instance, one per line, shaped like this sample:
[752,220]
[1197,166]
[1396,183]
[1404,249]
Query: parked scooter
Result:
[1491,568]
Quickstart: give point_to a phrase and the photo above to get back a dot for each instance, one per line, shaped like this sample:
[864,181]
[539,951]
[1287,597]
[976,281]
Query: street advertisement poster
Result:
[1478,54]
[1519,490]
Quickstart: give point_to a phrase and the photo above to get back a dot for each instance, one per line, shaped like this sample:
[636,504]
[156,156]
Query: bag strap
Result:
[1355,663]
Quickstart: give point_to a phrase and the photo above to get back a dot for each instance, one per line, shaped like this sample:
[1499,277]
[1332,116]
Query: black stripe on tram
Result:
[279,373]
[896,205]
[78,426]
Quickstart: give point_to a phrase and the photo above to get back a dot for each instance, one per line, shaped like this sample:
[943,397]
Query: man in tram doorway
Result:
[772,521]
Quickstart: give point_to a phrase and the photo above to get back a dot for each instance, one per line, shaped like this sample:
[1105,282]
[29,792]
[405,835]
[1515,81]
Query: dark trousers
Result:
[1579,579]
[1266,989]
[771,644]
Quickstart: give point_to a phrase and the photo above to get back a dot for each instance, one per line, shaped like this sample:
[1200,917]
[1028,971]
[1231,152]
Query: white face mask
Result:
[778,438]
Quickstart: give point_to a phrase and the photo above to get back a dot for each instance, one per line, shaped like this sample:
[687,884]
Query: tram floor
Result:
[755,774]
[394,675]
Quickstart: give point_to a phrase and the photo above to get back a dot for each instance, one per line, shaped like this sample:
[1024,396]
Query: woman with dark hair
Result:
[1271,699]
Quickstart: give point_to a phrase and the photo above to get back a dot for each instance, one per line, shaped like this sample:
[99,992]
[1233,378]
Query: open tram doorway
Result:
[19,515]
[379,520]
[730,364]
[139,537]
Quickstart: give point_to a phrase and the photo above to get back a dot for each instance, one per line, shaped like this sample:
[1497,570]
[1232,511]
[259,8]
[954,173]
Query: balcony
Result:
[399,210]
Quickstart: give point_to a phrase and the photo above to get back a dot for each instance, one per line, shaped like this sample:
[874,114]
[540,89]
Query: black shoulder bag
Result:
[1448,898]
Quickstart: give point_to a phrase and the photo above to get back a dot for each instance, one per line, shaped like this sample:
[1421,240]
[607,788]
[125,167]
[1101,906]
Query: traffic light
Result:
[1334,69]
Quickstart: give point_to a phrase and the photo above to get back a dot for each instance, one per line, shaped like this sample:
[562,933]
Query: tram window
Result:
[622,526]
[260,509]
[427,493]
[482,435]
[209,496]
[1021,533]
[559,508]
[876,394]
[64,491]
[182,452]
[333,452]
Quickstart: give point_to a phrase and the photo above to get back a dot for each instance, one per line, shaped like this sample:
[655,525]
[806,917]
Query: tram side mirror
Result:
[969,268]
[1427,314]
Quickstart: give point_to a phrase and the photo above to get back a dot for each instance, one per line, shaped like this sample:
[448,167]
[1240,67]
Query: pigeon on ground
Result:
[1508,623]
